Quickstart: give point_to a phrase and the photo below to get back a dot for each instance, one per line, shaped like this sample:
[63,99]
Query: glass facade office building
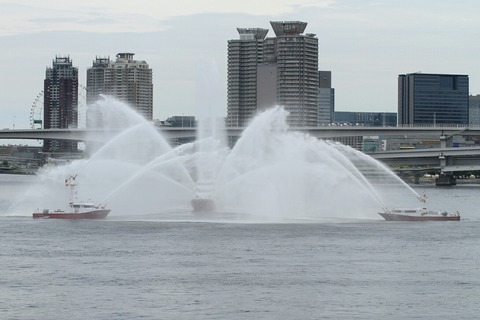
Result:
[326,98]
[433,99]
[474,107]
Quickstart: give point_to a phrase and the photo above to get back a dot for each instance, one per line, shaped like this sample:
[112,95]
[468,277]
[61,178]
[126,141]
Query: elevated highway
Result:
[172,133]
[444,159]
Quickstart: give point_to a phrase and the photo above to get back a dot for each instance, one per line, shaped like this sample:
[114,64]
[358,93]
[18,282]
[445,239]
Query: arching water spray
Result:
[271,173]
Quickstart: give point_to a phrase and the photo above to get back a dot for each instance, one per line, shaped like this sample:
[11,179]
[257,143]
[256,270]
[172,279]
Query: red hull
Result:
[404,217]
[94,214]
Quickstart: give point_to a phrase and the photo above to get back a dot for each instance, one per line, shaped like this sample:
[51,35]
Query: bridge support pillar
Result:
[443,142]
[417,179]
[445,180]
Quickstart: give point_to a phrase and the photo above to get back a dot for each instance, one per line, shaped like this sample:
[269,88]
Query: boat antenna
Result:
[70,182]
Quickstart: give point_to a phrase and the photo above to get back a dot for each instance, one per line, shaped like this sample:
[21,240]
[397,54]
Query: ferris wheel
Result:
[36,111]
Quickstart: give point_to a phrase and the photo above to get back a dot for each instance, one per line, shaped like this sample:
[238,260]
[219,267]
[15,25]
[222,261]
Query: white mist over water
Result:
[271,173]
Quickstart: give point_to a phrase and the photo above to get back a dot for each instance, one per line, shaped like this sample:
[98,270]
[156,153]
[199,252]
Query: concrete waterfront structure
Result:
[181,122]
[433,99]
[363,119]
[60,105]
[125,79]
[281,70]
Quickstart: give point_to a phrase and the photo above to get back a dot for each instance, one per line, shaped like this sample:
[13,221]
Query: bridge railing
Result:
[438,125]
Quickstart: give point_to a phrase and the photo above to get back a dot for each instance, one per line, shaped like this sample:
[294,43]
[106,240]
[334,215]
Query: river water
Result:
[134,268]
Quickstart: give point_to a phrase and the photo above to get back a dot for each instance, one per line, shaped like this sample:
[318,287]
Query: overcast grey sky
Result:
[365,43]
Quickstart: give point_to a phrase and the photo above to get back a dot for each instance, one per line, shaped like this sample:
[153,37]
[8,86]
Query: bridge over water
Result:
[172,133]
[444,159]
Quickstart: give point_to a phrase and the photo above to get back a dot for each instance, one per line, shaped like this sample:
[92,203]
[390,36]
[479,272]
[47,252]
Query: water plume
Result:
[271,173]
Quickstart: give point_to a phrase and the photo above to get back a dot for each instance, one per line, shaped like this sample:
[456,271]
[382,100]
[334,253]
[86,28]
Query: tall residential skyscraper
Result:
[96,79]
[60,105]
[244,55]
[326,98]
[125,79]
[282,70]
[432,99]
[296,56]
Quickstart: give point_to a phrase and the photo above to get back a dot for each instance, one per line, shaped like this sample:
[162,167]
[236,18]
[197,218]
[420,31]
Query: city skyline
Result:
[366,45]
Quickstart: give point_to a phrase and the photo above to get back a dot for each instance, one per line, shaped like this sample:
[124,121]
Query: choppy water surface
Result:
[134,268]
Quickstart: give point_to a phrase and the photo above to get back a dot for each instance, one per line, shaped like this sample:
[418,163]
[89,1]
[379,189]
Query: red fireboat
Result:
[420,214]
[78,210]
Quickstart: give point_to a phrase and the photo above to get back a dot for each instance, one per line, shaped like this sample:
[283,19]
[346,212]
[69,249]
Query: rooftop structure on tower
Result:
[252,33]
[288,28]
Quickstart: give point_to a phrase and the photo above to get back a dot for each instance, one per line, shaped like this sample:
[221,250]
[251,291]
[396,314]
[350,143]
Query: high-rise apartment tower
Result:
[282,70]
[125,79]
[60,105]
[244,55]
[296,57]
